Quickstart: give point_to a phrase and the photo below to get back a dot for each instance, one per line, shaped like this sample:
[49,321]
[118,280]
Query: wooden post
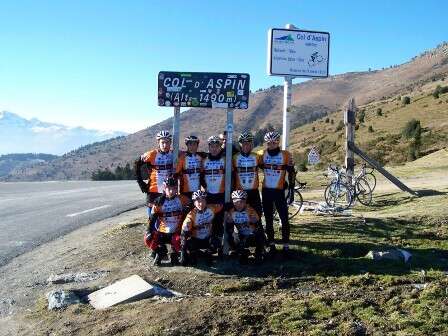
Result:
[349,121]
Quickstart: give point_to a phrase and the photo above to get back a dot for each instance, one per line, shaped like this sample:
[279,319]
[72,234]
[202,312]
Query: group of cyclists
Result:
[186,204]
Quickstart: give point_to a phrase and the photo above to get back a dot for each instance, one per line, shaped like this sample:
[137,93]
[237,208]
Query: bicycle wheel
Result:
[338,195]
[371,180]
[294,207]
[363,191]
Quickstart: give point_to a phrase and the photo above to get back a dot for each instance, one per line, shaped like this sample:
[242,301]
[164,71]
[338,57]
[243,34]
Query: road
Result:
[32,213]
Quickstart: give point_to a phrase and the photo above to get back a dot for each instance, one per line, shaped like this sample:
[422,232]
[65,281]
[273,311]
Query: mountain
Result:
[311,100]
[20,135]
[9,162]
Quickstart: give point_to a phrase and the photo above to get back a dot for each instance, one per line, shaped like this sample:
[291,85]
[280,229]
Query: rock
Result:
[59,299]
[76,277]
[391,254]
[127,290]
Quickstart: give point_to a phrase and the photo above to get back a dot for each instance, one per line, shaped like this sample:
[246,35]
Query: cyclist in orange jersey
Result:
[190,167]
[214,183]
[159,165]
[169,211]
[245,171]
[197,229]
[275,164]
[248,225]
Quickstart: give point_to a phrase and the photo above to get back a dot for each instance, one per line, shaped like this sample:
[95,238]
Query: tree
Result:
[379,111]
[406,100]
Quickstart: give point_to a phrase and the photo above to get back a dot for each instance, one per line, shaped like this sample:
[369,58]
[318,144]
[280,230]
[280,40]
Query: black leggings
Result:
[254,200]
[277,197]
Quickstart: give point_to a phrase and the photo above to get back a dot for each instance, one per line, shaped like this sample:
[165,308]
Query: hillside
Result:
[9,162]
[319,96]
[381,132]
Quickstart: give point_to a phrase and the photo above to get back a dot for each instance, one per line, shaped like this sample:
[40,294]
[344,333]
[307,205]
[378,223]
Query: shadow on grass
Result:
[338,246]
[430,192]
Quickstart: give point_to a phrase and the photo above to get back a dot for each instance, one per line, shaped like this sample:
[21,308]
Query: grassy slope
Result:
[385,142]
[330,288]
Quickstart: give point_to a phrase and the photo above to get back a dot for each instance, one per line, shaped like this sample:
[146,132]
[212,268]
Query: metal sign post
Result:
[228,170]
[176,126]
[286,105]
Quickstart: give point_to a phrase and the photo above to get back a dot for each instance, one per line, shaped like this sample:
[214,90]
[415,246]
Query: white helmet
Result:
[245,137]
[164,135]
[214,140]
[272,136]
[198,194]
[239,194]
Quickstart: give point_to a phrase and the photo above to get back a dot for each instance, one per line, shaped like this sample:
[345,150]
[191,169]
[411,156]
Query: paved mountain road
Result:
[32,213]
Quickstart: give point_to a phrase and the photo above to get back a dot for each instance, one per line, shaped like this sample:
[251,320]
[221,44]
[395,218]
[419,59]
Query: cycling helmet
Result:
[191,138]
[170,181]
[214,140]
[271,136]
[164,135]
[245,137]
[198,194]
[239,194]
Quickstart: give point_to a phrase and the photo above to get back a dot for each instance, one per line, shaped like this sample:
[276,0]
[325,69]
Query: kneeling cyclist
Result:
[247,222]
[197,229]
[169,210]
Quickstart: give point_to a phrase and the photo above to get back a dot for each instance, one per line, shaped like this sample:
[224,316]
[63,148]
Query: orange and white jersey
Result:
[160,165]
[274,167]
[199,223]
[214,175]
[246,171]
[189,166]
[245,221]
[170,213]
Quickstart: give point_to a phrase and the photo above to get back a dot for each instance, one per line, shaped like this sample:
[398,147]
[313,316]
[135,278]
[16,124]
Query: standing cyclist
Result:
[190,167]
[276,163]
[245,167]
[159,165]
[214,183]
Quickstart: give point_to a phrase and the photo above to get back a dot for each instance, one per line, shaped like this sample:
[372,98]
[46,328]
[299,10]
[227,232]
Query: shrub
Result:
[340,126]
[327,120]
[314,129]
[370,129]
[362,115]
[332,121]
[406,100]
[412,129]
[379,111]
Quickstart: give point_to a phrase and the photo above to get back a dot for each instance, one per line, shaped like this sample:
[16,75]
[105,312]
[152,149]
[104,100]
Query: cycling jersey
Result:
[189,167]
[214,174]
[275,167]
[246,170]
[169,213]
[246,221]
[199,223]
[160,165]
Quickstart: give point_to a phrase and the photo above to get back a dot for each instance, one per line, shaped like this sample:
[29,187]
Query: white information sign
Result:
[313,156]
[298,53]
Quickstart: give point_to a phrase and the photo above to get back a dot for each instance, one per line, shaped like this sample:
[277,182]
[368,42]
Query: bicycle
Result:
[336,193]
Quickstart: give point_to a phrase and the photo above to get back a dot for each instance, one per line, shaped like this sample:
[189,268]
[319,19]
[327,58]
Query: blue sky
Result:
[94,63]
